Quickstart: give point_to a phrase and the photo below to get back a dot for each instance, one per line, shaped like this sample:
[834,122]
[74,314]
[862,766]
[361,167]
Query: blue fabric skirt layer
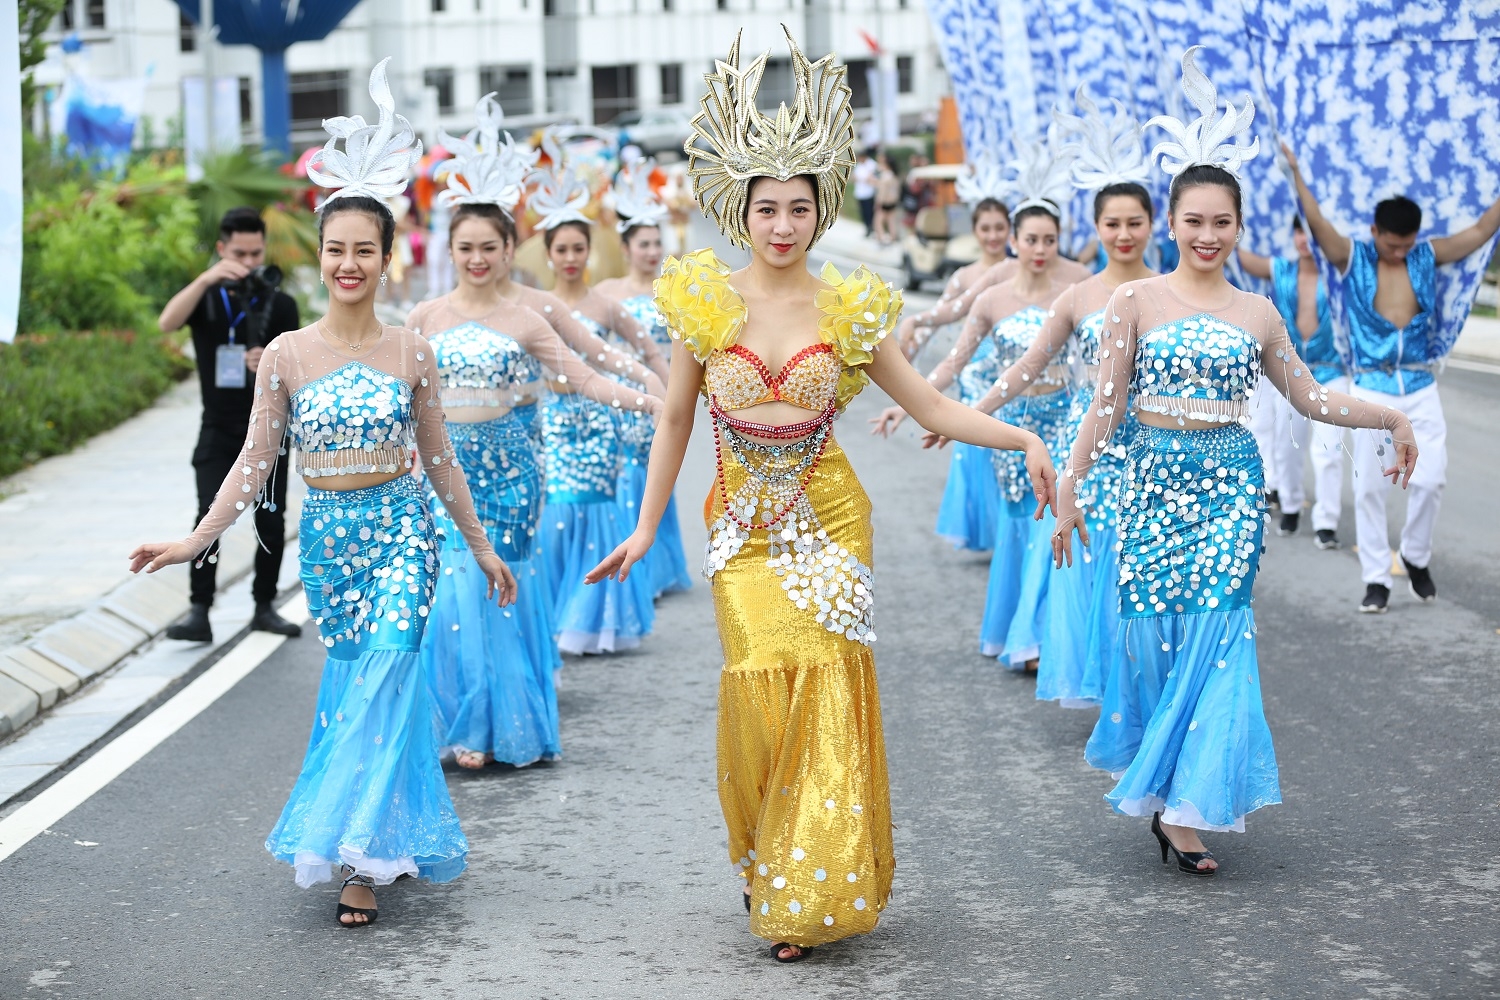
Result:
[1182,723]
[1015,601]
[665,563]
[1083,601]
[490,668]
[971,502]
[581,524]
[370,793]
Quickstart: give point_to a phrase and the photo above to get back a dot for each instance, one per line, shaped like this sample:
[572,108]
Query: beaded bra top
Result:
[703,310]
[1200,367]
[482,367]
[353,420]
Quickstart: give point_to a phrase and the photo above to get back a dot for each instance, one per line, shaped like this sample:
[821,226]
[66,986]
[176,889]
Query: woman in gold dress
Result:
[778,352]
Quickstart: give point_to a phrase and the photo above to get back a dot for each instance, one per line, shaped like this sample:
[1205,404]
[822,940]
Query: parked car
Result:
[656,131]
[939,244]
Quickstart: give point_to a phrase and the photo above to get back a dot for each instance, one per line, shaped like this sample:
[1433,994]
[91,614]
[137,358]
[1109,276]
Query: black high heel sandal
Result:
[369,914]
[802,952]
[1187,861]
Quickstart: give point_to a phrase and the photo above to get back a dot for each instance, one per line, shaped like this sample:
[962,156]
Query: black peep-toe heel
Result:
[803,952]
[369,914]
[1187,861]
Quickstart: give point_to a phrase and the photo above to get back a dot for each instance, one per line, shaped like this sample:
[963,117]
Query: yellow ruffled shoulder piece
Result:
[701,307]
[858,313]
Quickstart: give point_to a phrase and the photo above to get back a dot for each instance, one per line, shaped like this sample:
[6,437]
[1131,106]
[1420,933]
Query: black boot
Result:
[267,620]
[193,627]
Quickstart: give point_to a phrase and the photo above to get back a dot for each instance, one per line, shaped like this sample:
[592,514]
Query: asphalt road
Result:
[604,875]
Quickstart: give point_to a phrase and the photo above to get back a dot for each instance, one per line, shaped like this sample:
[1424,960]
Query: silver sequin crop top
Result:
[1199,367]
[353,420]
[478,366]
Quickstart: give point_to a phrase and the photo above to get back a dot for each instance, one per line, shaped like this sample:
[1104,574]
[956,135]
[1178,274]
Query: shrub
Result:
[58,390]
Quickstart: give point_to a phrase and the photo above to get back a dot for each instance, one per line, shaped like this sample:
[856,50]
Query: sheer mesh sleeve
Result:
[976,328]
[543,343]
[1112,395]
[951,309]
[1043,352]
[589,345]
[631,331]
[1290,375]
[436,450]
[266,437]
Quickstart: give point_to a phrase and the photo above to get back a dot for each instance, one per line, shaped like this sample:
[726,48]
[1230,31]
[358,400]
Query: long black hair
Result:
[377,210]
[1206,175]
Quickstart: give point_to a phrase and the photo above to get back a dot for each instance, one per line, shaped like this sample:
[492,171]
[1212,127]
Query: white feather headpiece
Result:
[1105,152]
[1207,138]
[1042,170]
[376,160]
[487,169]
[635,203]
[560,195]
[985,178]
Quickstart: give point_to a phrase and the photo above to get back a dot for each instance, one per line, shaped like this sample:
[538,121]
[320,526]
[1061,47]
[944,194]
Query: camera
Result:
[266,278]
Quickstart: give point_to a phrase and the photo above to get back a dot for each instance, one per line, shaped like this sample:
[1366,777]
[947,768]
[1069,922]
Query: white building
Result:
[585,60]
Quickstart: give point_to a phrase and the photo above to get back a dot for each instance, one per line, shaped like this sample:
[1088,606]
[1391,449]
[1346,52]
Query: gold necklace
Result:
[356,348]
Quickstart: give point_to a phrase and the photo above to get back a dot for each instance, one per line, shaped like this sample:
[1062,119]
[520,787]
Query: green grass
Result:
[58,390]
[1480,310]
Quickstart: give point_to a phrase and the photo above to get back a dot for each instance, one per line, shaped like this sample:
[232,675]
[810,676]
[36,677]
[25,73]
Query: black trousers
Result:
[213,458]
[867,214]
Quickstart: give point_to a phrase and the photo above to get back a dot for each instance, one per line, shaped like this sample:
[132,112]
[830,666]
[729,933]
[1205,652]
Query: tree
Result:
[35,16]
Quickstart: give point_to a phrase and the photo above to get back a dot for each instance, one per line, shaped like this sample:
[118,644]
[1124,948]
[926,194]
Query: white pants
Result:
[1292,433]
[1425,495]
[1264,404]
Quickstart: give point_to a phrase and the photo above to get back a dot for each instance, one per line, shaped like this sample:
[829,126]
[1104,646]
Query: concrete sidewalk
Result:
[72,613]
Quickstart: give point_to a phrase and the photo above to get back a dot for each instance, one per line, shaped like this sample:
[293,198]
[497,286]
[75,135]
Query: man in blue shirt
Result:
[1389,301]
[1300,296]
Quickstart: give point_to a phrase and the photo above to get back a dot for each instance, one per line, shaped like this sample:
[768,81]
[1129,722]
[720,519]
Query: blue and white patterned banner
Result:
[1377,97]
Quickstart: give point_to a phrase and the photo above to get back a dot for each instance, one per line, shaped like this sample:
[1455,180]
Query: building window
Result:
[722,4]
[859,81]
[614,92]
[671,83]
[94,13]
[666,5]
[511,86]
[440,80]
[438,6]
[316,96]
[187,33]
[65,20]
[905,75]
[247,104]
[776,86]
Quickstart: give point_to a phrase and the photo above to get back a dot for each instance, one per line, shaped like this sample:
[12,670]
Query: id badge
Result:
[229,366]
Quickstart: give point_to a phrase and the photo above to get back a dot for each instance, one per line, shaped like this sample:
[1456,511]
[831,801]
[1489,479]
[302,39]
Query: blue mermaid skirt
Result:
[490,668]
[665,563]
[1083,602]
[1021,567]
[1182,725]
[371,793]
[580,525]
[971,499]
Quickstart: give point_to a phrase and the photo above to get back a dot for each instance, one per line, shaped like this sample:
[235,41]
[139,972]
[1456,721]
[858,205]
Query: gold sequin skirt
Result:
[802,772]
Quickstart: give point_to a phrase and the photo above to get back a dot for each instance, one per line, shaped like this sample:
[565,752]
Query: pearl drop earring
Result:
[1172,236]
[382,279]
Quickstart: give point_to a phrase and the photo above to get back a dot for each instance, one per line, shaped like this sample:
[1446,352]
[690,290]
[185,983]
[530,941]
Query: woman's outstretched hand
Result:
[616,565]
[932,439]
[502,581]
[1043,478]
[158,555]
[1062,536]
[1406,460]
[890,418]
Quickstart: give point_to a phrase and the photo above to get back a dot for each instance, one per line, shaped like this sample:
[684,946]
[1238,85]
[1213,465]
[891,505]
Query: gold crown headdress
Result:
[1206,140]
[814,136]
[376,160]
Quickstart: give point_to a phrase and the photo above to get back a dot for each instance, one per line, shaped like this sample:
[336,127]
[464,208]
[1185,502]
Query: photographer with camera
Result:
[234,309]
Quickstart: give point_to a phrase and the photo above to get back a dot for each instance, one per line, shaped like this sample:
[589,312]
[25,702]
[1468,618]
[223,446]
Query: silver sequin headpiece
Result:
[1105,151]
[984,178]
[635,203]
[561,195]
[1207,139]
[1042,172]
[376,160]
[487,169]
